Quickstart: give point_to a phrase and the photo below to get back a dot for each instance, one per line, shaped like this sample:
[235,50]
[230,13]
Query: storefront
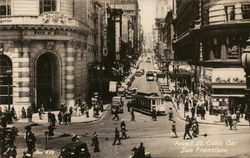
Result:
[224,86]
[180,73]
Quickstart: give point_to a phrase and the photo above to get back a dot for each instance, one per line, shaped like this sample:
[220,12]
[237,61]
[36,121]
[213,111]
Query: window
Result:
[245,11]
[5,7]
[5,80]
[47,6]
[230,13]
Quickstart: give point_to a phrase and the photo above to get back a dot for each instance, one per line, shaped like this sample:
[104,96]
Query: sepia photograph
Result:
[124,79]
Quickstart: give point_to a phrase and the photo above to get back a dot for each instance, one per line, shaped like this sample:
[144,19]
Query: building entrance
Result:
[48,81]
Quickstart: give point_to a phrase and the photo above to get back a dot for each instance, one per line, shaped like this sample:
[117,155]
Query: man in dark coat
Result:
[117,137]
[129,106]
[51,131]
[203,112]
[132,114]
[30,139]
[53,119]
[115,114]
[49,116]
[154,114]
[193,111]
[141,151]
[60,117]
[95,142]
[187,127]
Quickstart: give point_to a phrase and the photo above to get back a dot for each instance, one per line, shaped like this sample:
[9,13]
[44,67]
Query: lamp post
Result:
[9,72]
[245,61]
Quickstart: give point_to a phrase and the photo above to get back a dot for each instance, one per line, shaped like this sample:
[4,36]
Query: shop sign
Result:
[233,52]
[3,21]
[179,63]
[112,86]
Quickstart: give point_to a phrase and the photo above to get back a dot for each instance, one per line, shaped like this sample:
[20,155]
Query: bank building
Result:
[45,46]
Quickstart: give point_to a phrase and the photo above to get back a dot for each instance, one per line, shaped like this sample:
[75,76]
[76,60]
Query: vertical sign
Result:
[117,37]
[105,23]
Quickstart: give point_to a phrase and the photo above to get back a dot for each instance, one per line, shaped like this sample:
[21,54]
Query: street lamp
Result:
[245,61]
[9,72]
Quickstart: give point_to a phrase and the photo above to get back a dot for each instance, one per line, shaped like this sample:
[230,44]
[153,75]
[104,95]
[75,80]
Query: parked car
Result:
[138,73]
[75,150]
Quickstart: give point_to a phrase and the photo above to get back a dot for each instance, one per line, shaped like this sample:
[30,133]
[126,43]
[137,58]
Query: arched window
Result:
[47,6]
[5,80]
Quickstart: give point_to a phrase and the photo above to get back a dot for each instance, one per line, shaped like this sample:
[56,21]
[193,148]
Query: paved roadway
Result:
[154,135]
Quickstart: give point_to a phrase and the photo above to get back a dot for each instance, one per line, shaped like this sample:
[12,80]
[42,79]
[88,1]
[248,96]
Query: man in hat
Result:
[187,127]
[95,142]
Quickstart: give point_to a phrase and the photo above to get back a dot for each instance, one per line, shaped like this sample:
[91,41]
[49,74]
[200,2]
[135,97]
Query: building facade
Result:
[47,46]
[130,23]
[225,29]
[211,39]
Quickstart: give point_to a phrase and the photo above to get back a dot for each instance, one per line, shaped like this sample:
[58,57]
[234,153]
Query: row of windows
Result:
[45,6]
[230,13]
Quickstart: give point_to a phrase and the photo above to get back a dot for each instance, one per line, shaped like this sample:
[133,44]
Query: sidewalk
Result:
[209,119]
[74,119]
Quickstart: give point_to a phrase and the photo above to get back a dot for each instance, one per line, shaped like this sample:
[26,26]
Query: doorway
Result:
[48,81]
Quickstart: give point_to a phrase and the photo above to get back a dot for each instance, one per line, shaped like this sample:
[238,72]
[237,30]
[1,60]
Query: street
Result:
[154,134]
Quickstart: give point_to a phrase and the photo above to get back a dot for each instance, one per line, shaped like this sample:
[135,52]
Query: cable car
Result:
[146,102]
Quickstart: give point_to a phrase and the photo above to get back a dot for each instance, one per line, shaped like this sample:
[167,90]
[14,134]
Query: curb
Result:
[97,119]
[209,123]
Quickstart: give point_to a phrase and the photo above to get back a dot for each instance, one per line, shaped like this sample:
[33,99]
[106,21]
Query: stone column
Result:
[84,77]
[78,72]
[69,72]
[21,77]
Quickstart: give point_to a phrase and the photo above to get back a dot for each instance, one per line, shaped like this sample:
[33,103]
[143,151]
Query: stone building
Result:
[47,44]
[224,31]
[211,36]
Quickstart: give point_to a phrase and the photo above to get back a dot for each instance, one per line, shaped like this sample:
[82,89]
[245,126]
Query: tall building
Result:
[211,36]
[130,22]
[162,7]
[225,29]
[186,43]
[47,45]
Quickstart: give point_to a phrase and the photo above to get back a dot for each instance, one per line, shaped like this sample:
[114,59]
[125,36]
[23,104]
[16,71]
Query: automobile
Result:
[75,150]
[138,73]
[117,103]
